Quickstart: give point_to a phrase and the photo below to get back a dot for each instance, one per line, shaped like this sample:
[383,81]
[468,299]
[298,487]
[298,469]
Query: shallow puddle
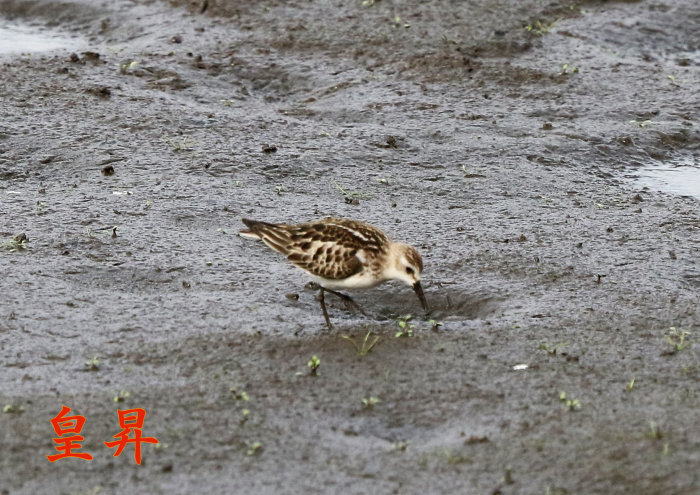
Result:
[18,38]
[681,177]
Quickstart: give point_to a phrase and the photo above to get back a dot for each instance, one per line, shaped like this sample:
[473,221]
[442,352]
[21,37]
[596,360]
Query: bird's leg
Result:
[347,300]
[322,300]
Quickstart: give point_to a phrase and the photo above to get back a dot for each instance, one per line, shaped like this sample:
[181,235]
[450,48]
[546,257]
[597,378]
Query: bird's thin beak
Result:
[419,292]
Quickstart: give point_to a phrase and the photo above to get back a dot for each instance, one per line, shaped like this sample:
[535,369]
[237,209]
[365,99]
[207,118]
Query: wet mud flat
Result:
[508,142]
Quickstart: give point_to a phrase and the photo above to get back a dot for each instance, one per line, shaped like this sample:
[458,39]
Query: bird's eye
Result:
[409,270]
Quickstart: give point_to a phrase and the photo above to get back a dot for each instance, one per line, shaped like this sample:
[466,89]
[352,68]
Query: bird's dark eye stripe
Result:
[409,269]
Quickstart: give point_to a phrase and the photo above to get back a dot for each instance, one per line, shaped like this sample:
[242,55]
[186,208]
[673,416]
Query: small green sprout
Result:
[435,325]
[369,402]
[242,395]
[18,243]
[12,409]
[398,23]
[400,446]
[676,339]
[469,173]
[539,28]
[406,327]
[366,346]
[279,190]
[254,448]
[566,69]
[92,364]
[183,144]
[654,431]
[314,364]
[572,404]
[245,416]
[121,396]
[508,476]
[124,68]
[641,123]
[630,385]
[552,350]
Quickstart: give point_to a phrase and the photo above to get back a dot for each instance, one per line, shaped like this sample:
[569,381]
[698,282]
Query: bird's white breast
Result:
[361,280]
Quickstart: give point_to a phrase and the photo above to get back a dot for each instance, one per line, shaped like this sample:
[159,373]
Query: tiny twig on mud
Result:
[351,197]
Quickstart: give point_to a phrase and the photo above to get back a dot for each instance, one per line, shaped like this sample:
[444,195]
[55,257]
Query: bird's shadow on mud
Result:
[445,304]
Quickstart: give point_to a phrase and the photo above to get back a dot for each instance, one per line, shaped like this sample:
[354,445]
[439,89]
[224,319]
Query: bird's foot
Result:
[349,302]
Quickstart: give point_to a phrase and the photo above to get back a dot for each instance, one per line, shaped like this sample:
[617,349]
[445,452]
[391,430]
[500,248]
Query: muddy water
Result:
[497,138]
[681,177]
[18,38]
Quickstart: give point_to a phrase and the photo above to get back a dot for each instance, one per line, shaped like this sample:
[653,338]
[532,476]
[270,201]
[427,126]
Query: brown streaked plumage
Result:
[342,254]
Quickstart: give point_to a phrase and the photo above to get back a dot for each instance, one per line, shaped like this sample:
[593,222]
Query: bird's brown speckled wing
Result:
[331,264]
[327,248]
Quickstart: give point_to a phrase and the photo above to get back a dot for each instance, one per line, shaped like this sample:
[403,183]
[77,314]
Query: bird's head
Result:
[407,266]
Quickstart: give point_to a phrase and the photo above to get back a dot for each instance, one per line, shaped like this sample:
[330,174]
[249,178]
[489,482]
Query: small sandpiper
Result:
[340,254]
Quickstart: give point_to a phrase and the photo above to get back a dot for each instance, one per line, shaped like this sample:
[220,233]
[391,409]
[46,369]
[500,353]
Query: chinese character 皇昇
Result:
[63,424]
[130,420]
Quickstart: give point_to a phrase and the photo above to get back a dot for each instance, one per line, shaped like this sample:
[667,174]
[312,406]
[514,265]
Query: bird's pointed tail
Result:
[250,231]
[274,235]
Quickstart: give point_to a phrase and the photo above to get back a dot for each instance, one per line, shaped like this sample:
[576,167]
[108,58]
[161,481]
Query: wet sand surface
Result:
[503,139]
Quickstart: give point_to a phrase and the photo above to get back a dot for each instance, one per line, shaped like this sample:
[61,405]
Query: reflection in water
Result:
[22,38]
[681,177]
